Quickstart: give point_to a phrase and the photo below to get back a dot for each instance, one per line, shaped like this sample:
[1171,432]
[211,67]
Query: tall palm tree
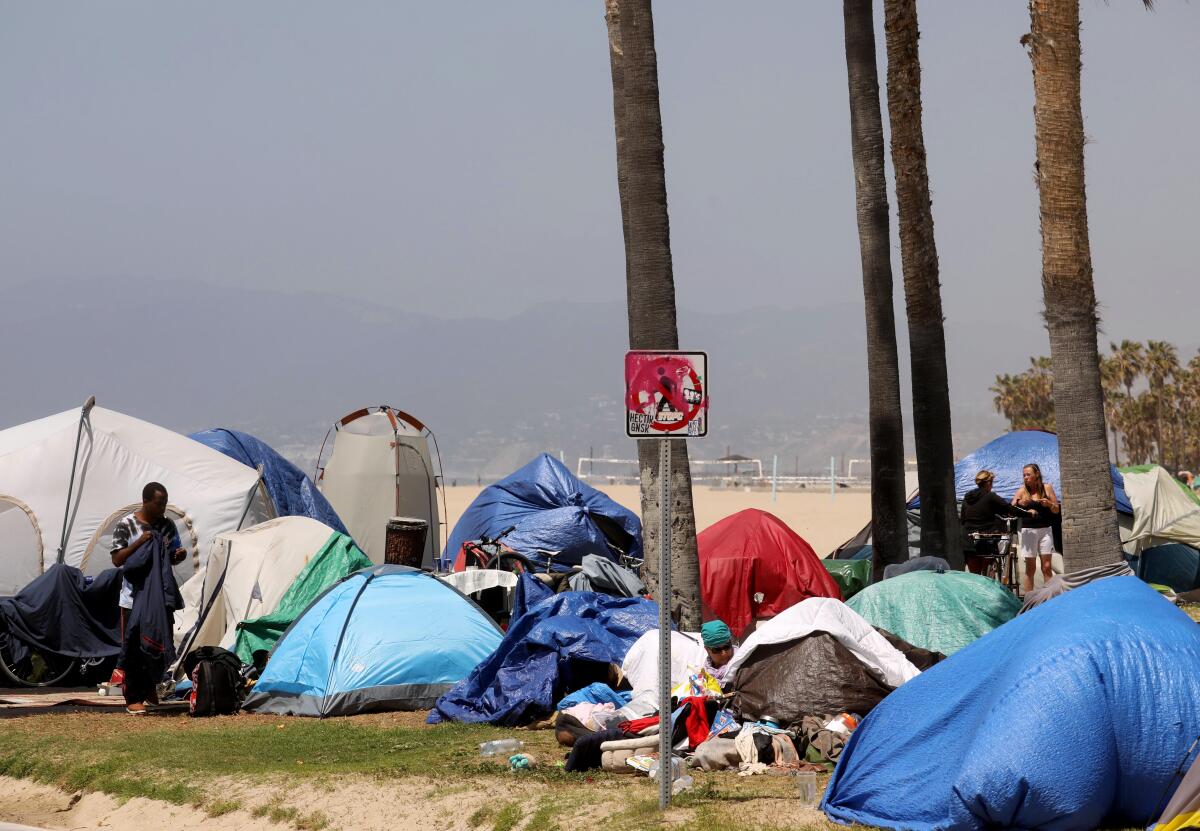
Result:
[1090,534]
[650,282]
[1162,365]
[889,521]
[922,291]
[1110,385]
[1129,359]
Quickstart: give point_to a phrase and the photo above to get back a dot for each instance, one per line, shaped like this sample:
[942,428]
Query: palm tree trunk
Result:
[650,283]
[922,291]
[1090,534]
[889,522]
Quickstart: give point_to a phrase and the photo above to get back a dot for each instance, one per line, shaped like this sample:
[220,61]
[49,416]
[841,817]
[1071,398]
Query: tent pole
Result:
[665,767]
[83,415]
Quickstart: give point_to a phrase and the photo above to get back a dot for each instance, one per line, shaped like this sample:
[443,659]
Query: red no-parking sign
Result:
[666,394]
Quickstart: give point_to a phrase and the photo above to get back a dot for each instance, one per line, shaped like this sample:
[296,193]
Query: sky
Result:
[457,158]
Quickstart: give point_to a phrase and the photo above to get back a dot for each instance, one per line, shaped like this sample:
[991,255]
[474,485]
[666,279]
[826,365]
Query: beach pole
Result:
[832,480]
[774,478]
[665,761]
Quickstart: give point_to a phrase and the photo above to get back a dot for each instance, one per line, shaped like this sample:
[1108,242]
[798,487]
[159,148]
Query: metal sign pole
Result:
[665,767]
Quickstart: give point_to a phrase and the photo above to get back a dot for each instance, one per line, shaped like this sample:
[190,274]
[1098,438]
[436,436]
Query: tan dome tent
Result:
[380,467]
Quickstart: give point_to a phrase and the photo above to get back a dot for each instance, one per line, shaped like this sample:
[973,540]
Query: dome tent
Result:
[1075,715]
[103,459]
[551,510]
[384,638]
[942,612]
[753,553]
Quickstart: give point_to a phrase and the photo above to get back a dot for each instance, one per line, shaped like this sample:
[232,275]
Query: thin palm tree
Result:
[1090,533]
[650,282]
[889,521]
[1162,364]
[922,291]
[1110,384]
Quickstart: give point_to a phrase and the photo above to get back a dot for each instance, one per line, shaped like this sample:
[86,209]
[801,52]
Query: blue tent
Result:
[1007,456]
[1171,564]
[291,491]
[555,647]
[552,511]
[1073,715]
[384,638]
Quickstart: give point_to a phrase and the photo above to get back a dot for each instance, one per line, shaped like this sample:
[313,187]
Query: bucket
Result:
[405,541]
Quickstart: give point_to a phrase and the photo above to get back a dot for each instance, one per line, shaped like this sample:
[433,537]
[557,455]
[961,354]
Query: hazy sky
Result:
[457,157]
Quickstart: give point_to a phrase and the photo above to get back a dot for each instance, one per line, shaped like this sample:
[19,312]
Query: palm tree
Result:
[1110,384]
[889,522]
[650,282]
[1090,534]
[922,292]
[1162,364]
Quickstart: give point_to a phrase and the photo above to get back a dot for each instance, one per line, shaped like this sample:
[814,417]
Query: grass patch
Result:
[543,818]
[221,807]
[481,815]
[315,821]
[508,817]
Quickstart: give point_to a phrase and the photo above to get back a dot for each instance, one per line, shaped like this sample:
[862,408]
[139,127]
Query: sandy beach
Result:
[824,521]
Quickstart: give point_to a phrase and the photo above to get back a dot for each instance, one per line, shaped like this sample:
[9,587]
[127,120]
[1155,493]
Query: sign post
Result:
[666,398]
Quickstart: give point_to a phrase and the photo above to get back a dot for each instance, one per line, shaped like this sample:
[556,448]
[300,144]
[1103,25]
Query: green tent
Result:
[336,559]
[940,612]
[852,576]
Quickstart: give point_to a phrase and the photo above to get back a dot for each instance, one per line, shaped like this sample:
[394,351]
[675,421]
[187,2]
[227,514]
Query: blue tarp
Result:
[552,511]
[1007,456]
[536,663]
[384,638]
[1073,715]
[292,492]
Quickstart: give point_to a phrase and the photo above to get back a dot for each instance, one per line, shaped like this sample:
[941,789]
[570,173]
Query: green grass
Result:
[508,817]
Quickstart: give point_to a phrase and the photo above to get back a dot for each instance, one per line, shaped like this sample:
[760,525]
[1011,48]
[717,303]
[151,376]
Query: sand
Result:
[824,521]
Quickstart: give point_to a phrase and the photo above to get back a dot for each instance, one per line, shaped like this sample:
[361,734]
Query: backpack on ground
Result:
[217,684]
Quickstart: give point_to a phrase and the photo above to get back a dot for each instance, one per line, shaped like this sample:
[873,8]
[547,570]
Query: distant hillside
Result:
[790,381]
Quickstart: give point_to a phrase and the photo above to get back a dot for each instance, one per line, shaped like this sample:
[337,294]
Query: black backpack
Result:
[217,685]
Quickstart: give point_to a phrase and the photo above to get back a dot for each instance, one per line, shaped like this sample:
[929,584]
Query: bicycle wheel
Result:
[36,669]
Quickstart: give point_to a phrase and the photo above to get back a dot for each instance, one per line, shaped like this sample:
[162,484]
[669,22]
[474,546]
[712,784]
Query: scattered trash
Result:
[845,723]
[500,747]
[806,785]
[520,761]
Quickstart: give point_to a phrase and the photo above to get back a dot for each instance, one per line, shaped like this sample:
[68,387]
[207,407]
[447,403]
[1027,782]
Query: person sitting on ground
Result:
[981,512]
[132,532]
[1037,533]
[718,643]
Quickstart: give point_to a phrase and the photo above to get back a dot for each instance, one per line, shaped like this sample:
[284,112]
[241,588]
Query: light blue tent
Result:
[384,638]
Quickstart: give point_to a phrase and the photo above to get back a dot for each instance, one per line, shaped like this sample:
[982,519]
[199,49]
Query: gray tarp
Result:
[602,575]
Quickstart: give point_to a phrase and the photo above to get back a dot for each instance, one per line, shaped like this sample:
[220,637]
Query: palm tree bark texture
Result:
[650,283]
[1090,533]
[889,521]
[922,291]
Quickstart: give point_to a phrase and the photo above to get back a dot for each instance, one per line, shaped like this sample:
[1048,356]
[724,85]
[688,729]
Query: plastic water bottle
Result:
[500,747]
[676,768]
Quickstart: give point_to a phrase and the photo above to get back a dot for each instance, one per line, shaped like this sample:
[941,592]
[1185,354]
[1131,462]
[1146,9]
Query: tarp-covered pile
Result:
[384,638]
[554,646]
[291,491]
[816,657]
[1073,716]
[942,612]
[61,613]
[551,510]
[751,554]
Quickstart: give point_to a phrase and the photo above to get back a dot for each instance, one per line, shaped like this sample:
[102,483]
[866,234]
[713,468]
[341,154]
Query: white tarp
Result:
[246,575]
[640,666]
[823,614]
[209,493]
[380,468]
[1162,511]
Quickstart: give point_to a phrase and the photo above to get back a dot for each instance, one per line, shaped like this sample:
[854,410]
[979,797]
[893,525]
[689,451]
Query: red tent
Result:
[755,552]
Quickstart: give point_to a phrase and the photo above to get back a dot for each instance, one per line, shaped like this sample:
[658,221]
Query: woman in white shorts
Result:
[1037,533]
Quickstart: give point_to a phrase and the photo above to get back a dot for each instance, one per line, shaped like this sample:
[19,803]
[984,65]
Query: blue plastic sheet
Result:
[1071,716]
[292,492]
[1007,456]
[532,668]
[1171,564]
[552,511]
[596,693]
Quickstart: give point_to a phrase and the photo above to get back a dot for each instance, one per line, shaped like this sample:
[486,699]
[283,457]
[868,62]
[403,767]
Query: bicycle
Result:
[33,668]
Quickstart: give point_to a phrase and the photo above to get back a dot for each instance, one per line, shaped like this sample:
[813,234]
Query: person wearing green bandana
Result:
[718,643]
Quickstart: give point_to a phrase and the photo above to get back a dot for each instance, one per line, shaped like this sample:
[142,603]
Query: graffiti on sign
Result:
[666,394]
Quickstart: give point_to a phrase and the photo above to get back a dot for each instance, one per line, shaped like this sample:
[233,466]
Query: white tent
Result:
[209,493]
[380,467]
[1162,511]
[245,576]
[640,666]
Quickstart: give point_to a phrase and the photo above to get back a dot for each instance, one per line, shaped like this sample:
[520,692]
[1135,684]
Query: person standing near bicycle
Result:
[134,531]
[1037,533]
[981,512]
